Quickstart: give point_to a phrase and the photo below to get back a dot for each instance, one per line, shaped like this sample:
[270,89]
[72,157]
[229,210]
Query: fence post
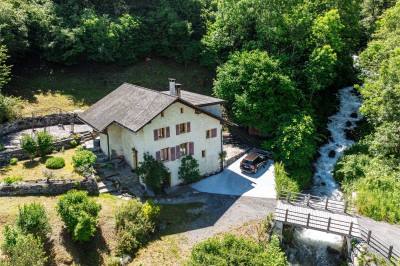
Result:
[390,252]
[346,204]
[308,219]
[289,196]
[286,214]
[329,223]
[351,228]
[326,203]
[308,199]
[369,236]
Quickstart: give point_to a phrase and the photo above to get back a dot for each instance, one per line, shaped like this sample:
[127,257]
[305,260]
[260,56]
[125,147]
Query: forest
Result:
[277,64]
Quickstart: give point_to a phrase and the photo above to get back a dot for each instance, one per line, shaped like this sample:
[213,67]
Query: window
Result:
[181,110]
[165,154]
[208,133]
[162,133]
[162,114]
[184,148]
[203,153]
[182,128]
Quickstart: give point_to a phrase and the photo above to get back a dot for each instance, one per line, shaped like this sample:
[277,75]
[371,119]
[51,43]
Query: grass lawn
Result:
[28,170]
[46,86]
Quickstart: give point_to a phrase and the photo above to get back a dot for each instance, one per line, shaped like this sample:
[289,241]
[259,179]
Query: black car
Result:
[252,162]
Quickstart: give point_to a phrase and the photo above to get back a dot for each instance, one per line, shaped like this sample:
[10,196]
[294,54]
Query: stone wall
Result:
[51,188]
[5,156]
[23,123]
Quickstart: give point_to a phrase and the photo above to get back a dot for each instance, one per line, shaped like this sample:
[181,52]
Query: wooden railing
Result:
[321,203]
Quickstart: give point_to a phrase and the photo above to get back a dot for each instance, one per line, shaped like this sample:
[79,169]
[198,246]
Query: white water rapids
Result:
[314,247]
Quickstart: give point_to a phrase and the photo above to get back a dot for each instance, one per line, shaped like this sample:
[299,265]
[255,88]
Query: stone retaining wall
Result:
[5,156]
[235,158]
[51,188]
[23,123]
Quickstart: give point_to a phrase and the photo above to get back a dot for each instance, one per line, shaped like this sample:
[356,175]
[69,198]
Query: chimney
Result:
[172,86]
[178,89]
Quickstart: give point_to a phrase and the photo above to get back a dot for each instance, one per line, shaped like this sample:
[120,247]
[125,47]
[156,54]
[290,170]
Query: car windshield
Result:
[248,162]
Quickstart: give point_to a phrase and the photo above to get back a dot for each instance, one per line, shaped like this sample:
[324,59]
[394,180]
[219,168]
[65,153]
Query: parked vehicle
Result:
[252,162]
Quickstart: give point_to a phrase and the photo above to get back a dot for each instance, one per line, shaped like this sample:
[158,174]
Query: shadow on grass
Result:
[31,164]
[86,253]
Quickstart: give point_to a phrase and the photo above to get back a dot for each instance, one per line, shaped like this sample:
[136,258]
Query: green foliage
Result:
[189,169]
[283,182]
[10,108]
[33,219]
[231,250]
[55,163]
[5,69]
[74,143]
[2,148]
[22,249]
[44,142]
[13,179]
[83,158]
[79,213]
[134,223]
[13,161]
[152,173]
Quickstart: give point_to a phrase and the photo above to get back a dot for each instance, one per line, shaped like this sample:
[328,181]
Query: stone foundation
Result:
[51,188]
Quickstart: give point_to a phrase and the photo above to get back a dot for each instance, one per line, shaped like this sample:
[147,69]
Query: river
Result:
[310,247]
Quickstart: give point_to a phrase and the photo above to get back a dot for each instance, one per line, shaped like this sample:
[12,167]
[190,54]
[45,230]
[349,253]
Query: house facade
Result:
[168,125]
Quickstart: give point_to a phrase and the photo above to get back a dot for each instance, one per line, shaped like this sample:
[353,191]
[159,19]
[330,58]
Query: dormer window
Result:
[162,114]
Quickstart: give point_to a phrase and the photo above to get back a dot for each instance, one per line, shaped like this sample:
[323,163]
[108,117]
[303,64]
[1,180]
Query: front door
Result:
[134,158]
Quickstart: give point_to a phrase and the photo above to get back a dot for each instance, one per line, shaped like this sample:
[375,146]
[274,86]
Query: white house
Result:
[133,120]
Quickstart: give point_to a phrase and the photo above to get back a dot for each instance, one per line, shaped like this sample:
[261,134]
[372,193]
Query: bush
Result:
[55,163]
[232,250]
[22,249]
[13,179]
[13,161]
[33,219]
[44,141]
[79,213]
[28,144]
[83,158]
[74,143]
[153,173]
[189,169]
[134,222]
[2,148]
[283,182]
[10,108]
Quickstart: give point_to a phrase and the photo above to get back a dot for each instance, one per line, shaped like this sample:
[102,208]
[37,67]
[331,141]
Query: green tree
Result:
[44,141]
[79,213]
[152,173]
[33,219]
[10,108]
[28,144]
[257,92]
[189,169]
[83,158]
[5,69]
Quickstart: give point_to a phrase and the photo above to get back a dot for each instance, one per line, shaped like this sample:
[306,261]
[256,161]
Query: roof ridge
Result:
[141,87]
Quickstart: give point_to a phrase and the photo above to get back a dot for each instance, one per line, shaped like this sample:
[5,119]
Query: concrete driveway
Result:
[233,182]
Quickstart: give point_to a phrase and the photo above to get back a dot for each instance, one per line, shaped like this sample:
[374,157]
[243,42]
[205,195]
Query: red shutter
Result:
[177,129]
[155,134]
[167,132]
[188,127]
[213,132]
[178,152]
[191,148]
[172,150]
[158,156]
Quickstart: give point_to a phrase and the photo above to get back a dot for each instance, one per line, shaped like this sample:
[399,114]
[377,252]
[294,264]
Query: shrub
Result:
[22,249]
[83,158]
[189,169]
[153,173]
[13,179]
[29,145]
[55,163]
[134,222]
[44,142]
[79,213]
[74,143]
[10,108]
[283,182]
[231,250]
[13,161]
[33,219]
[2,148]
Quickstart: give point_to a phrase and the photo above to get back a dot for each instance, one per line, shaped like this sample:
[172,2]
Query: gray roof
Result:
[198,99]
[131,107]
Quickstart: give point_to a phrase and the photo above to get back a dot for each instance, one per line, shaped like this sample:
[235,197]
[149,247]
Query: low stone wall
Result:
[23,123]
[51,188]
[20,154]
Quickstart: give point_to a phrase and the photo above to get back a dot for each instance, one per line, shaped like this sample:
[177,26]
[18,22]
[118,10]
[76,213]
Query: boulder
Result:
[354,115]
[350,134]
[349,124]
[332,154]
[323,184]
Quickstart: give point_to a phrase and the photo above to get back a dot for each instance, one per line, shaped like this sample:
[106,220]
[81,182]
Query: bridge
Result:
[330,216]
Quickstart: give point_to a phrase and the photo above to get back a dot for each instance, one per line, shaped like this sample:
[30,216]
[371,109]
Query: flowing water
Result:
[312,247]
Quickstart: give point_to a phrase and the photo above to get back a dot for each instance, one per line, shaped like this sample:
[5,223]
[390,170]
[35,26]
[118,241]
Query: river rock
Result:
[350,134]
[332,251]
[349,124]
[323,184]
[332,154]
[354,115]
